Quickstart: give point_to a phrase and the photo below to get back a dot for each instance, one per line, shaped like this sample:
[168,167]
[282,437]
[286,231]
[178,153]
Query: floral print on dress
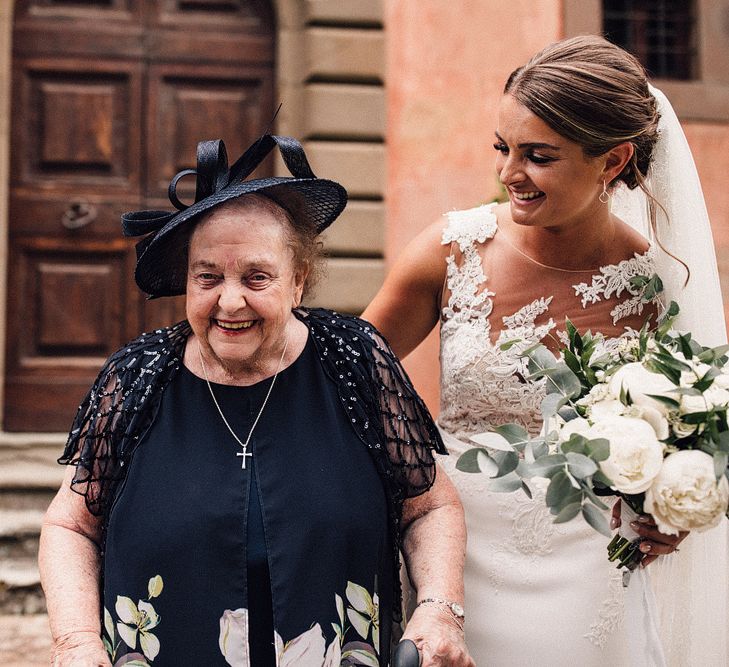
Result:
[136,622]
[356,635]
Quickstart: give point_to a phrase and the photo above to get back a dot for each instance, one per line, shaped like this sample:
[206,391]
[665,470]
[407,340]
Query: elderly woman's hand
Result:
[654,543]
[79,649]
[439,638]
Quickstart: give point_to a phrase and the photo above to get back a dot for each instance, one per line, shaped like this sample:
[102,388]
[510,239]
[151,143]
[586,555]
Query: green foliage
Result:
[576,483]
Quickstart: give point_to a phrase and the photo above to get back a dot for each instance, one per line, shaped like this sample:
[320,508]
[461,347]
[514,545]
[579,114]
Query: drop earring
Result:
[604,195]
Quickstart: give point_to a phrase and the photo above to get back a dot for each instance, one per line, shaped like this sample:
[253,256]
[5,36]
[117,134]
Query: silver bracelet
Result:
[454,608]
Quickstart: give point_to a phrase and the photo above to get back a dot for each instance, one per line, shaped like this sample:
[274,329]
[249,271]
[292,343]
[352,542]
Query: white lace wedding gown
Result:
[537,593]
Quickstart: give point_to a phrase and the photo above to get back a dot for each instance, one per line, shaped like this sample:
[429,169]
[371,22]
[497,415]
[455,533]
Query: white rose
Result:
[638,381]
[685,495]
[635,453]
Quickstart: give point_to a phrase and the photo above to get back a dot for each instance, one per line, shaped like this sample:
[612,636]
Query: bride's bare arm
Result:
[407,306]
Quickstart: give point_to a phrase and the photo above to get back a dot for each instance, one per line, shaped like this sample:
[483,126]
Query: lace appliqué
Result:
[611,613]
[465,227]
[614,279]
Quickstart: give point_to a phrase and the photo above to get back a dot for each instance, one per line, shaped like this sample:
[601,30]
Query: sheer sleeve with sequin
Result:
[117,411]
[380,400]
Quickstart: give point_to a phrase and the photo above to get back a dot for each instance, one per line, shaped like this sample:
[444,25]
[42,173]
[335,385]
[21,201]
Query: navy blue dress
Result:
[207,563]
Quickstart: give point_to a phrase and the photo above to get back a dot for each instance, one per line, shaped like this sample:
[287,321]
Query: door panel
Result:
[190,103]
[110,98]
[78,133]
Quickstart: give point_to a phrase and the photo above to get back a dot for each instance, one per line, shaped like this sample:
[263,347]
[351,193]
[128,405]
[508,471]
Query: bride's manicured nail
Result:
[645,547]
[613,523]
[644,519]
[634,524]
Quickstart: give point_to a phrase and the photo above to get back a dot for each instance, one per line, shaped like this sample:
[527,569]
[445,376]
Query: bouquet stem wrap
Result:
[640,605]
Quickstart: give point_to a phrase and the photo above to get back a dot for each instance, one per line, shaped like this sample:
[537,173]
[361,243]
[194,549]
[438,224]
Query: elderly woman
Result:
[243,481]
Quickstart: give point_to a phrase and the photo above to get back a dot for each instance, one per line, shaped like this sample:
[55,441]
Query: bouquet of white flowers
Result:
[646,422]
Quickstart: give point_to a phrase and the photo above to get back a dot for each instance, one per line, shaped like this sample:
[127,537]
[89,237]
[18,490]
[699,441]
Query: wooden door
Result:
[110,98]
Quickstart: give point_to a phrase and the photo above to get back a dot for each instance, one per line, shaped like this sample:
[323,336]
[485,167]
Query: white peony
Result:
[649,414]
[576,425]
[608,407]
[722,380]
[638,381]
[635,453]
[685,495]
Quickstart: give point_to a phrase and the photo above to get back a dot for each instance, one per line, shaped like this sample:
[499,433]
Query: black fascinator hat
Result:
[162,253]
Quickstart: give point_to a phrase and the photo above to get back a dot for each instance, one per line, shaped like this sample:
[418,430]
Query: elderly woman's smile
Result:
[242,284]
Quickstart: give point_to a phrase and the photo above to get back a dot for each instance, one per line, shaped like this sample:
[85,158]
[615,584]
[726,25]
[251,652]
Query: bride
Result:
[602,188]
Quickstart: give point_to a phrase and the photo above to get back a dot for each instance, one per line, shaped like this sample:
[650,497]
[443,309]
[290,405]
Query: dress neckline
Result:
[261,384]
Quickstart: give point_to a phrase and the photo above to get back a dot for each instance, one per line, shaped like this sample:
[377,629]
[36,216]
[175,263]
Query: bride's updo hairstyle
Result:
[595,94]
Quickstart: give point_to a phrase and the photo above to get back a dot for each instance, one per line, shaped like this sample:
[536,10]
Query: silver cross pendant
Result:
[244,454]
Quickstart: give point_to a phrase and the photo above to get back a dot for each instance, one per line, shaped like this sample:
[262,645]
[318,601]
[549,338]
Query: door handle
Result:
[79,214]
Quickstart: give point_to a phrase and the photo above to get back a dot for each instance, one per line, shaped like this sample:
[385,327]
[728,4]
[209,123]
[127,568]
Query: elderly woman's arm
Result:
[434,546]
[69,566]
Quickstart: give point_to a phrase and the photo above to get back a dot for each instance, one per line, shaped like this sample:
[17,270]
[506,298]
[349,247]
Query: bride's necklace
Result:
[245,453]
[513,246]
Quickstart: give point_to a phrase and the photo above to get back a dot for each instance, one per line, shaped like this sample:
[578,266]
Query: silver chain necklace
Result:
[245,453]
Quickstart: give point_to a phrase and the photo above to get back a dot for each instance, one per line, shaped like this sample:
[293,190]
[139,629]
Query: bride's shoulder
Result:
[629,242]
[468,226]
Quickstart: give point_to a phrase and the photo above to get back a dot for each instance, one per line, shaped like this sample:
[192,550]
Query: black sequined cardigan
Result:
[385,412]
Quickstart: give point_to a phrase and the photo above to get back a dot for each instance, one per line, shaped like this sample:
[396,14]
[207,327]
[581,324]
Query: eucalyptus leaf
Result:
[539,448]
[580,466]
[506,484]
[492,441]
[568,413]
[514,433]
[545,466]
[598,449]
[576,443]
[551,403]
[468,461]
[562,380]
[560,487]
[540,359]
[601,478]
[568,512]
[506,462]
[591,495]
[596,519]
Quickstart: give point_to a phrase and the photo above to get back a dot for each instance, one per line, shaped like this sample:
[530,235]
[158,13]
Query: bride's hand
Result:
[654,543]
[438,638]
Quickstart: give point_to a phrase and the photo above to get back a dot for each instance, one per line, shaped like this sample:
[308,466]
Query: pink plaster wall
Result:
[447,63]
[710,145]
